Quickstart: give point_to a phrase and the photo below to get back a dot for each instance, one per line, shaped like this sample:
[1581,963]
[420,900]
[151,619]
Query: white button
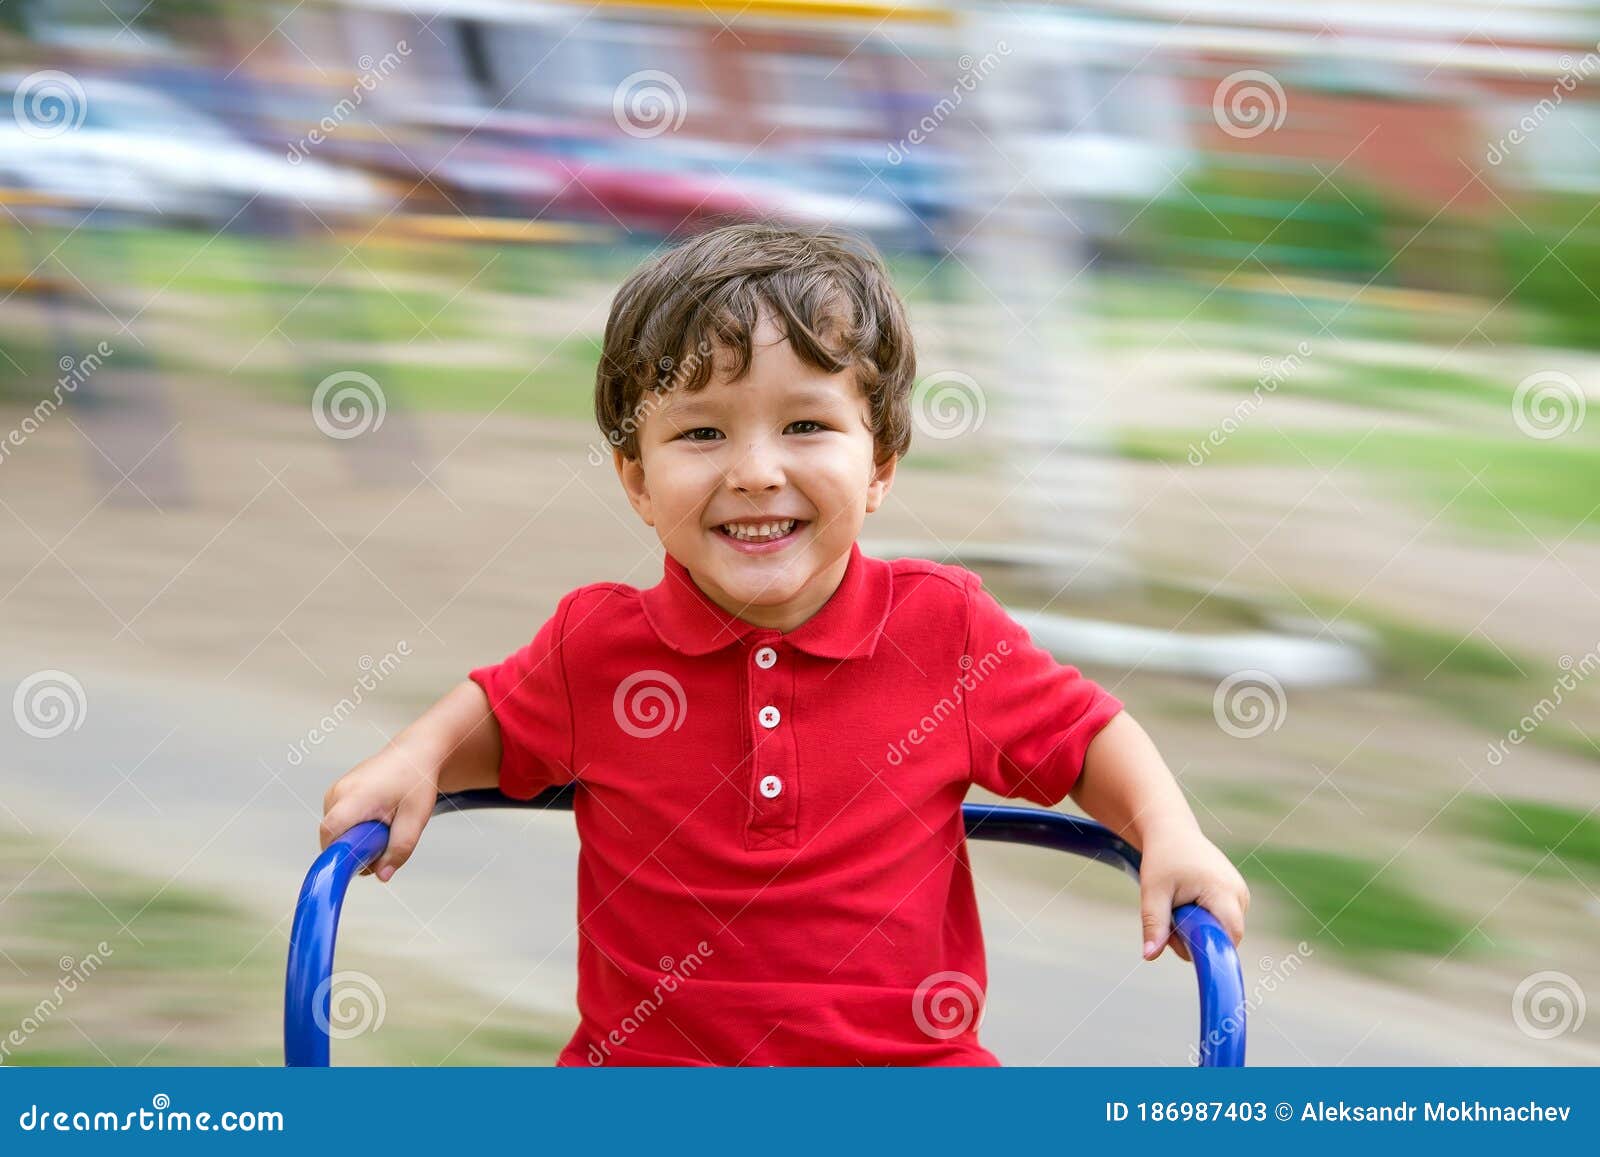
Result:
[771,786]
[769,716]
[766,657]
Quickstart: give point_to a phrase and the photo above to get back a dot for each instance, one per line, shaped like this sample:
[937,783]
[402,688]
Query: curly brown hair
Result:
[828,291]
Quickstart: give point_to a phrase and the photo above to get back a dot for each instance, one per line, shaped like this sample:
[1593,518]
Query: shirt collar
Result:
[847,626]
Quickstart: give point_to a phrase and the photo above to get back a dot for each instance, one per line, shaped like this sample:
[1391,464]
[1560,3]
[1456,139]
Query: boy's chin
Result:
[768,589]
[760,583]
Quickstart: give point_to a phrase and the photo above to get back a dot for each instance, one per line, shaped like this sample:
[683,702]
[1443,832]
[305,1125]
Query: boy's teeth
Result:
[758,531]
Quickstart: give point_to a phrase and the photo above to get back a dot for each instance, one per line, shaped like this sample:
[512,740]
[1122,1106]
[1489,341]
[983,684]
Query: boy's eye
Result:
[804,426]
[702,434]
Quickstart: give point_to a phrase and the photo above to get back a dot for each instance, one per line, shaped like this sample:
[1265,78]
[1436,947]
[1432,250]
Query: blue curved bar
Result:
[1216,963]
[316,924]
[316,919]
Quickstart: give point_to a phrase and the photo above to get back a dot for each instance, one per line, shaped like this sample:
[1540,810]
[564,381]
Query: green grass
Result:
[1243,796]
[1536,833]
[369,313]
[1264,320]
[1356,906]
[554,382]
[1413,652]
[186,261]
[1474,682]
[1498,485]
[195,979]
[1412,389]
[1567,738]
[562,385]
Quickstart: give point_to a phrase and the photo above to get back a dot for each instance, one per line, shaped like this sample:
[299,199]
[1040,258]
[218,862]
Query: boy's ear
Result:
[882,479]
[631,473]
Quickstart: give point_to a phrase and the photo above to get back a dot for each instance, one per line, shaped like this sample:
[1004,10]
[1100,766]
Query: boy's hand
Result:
[397,786]
[1180,866]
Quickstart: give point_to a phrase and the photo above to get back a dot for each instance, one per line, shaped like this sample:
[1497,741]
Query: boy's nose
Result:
[760,467]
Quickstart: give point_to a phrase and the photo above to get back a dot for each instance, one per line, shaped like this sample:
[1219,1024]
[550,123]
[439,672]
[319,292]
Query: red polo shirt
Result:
[773,867]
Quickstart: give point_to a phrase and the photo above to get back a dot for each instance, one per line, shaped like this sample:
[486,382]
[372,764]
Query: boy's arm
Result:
[1125,785]
[453,745]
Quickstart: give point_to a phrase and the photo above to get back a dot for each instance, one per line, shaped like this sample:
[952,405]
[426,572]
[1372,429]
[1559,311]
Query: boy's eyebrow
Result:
[694,405]
[814,395]
[690,406]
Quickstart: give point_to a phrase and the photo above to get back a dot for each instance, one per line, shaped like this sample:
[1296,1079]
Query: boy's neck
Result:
[787,616]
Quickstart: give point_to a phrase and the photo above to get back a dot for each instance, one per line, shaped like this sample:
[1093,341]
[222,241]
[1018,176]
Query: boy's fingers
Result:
[334,824]
[1155,915]
[339,820]
[1230,914]
[1178,945]
[404,832]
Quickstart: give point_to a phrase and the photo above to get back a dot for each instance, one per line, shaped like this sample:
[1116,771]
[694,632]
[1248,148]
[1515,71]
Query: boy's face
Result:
[759,487]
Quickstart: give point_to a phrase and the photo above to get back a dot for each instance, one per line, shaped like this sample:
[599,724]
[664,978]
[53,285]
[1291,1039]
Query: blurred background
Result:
[1255,350]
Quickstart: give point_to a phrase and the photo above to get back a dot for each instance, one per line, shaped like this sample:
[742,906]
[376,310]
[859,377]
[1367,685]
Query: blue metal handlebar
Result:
[316,918]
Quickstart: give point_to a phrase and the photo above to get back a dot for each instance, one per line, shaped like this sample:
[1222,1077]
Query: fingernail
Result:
[385,872]
[1149,947]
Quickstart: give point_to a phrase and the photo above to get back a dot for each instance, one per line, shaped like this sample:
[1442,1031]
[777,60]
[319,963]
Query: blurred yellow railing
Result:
[888,13]
[462,227]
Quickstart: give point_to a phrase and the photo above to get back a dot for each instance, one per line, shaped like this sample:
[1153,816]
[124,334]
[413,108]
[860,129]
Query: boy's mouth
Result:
[755,532]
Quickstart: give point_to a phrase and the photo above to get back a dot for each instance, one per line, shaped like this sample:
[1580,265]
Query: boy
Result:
[772,745]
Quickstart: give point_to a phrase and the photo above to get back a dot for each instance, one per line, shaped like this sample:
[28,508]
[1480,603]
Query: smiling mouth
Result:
[770,531]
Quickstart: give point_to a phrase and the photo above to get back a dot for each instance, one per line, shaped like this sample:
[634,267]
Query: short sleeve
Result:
[1030,719]
[528,695]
